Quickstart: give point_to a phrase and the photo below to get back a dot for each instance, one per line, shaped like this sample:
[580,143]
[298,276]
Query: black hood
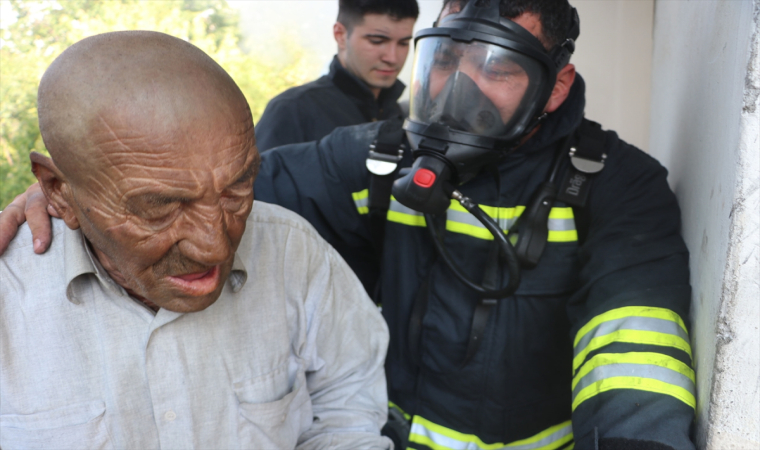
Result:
[561,122]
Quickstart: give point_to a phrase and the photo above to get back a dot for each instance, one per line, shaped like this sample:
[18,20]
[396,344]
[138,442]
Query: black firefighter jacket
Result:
[592,351]
[310,112]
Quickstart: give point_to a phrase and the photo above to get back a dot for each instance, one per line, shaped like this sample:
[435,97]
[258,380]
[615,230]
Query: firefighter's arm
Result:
[633,379]
[326,182]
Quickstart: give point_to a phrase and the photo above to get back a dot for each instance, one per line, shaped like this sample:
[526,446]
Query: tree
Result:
[44,29]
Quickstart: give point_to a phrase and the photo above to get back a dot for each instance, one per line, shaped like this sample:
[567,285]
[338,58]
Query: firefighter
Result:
[572,330]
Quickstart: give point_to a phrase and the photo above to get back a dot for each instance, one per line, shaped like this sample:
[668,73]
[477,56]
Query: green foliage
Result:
[44,29]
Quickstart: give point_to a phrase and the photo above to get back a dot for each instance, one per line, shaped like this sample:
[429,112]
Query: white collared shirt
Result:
[291,354]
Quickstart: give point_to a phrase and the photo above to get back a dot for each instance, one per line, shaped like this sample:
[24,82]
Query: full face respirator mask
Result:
[479,85]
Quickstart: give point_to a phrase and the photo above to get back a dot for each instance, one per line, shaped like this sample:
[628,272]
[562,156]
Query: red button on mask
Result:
[424,178]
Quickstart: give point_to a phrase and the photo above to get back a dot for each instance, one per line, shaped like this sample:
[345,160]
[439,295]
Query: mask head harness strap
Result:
[561,53]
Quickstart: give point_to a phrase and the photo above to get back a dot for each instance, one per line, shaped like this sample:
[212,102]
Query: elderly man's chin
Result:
[190,292]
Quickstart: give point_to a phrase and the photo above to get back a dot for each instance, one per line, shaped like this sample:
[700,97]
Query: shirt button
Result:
[170,415]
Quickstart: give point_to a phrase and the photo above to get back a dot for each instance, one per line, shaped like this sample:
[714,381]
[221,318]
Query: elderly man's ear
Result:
[55,187]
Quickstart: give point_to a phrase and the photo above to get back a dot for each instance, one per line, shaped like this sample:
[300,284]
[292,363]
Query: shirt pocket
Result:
[273,424]
[81,425]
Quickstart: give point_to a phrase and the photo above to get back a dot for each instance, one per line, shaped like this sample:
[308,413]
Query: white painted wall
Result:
[705,128]
[614,56]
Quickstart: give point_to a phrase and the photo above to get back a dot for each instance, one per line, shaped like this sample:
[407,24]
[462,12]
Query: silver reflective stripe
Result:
[441,440]
[562,224]
[506,223]
[398,207]
[554,437]
[469,219]
[363,203]
[449,443]
[631,323]
[634,370]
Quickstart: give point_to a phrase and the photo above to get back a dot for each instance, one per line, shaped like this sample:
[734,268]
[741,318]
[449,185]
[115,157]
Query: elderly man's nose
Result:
[206,240]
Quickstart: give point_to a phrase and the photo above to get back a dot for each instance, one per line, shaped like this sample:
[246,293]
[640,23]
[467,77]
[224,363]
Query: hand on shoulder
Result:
[31,206]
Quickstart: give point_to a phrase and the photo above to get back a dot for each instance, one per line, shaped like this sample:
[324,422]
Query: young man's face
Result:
[375,49]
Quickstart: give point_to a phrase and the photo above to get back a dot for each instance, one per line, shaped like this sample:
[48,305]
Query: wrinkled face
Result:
[165,205]
[376,49]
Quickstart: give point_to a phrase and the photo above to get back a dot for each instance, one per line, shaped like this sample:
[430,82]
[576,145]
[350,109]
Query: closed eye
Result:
[376,39]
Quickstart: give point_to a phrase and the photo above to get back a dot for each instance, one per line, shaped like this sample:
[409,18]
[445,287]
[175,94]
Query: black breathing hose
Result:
[513,263]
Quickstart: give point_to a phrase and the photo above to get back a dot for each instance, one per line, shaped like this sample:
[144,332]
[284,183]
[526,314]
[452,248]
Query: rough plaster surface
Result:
[734,421]
[705,127]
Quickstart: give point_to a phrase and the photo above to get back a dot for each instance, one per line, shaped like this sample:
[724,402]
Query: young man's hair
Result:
[352,12]
[555,15]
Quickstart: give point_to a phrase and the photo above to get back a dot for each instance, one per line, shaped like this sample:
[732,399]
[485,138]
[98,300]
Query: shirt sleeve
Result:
[346,343]
[279,125]
[633,379]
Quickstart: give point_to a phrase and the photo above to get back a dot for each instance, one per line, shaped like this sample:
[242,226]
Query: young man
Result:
[373,42]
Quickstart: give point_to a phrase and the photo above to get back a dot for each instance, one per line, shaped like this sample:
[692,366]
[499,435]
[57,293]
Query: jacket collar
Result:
[358,89]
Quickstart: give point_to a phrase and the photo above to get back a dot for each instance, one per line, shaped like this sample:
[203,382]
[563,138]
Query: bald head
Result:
[153,158]
[142,82]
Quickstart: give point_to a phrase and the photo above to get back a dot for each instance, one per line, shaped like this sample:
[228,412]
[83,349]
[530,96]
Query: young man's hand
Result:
[30,206]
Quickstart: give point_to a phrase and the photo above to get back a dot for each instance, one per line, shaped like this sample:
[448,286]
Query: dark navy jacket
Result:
[310,112]
[593,348]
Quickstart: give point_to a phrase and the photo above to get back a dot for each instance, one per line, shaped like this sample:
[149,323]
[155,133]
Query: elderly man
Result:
[170,311]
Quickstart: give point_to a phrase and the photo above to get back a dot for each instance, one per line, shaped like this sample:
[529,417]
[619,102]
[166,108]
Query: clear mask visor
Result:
[474,87]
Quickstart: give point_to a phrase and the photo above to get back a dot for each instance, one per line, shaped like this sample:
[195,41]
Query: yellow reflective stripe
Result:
[405,216]
[562,236]
[642,384]
[438,437]
[632,337]
[657,359]
[360,195]
[561,213]
[483,233]
[395,406]
[360,200]
[510,213]
[504,213]
[628,311]
[544,434]
[406,219]
[469,230]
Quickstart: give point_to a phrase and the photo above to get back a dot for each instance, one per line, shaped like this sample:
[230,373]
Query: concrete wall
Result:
[705,128]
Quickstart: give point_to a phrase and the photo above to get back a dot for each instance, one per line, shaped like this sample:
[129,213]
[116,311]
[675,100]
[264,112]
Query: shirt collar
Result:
[354,87]
[238,275]
[80,261]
